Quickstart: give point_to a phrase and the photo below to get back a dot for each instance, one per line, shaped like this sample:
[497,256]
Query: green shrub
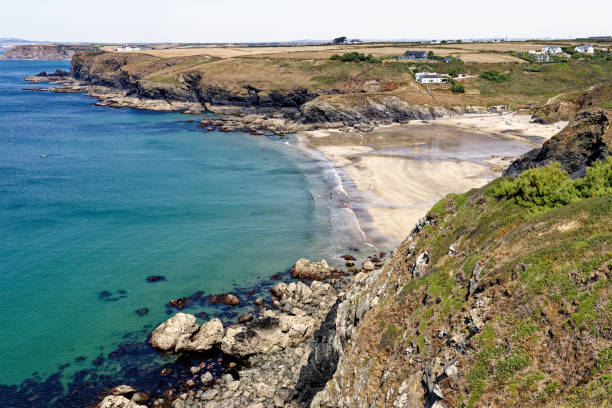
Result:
[550,186]
[532,69]
[356,57]
[494,76]
[457,88]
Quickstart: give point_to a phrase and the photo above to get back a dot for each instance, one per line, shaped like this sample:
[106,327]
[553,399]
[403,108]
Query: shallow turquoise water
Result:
[124,194]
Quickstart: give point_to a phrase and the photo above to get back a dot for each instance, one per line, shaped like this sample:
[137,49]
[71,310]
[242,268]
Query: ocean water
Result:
[123,194]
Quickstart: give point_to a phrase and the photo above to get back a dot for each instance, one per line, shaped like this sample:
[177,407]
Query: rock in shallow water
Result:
[123,390]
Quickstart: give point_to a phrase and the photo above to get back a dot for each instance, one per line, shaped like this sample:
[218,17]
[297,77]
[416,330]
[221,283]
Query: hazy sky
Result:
[270,20]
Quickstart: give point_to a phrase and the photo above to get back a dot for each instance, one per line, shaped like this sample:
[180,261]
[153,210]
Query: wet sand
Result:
[395,174]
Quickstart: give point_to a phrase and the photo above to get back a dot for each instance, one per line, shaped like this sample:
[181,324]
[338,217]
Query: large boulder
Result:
[181,332]
[174,332]
[209,335]
[118,401]
[587,138]
[304,269]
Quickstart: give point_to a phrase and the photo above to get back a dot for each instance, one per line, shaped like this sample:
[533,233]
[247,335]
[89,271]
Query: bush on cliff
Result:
[494,76]
[457,88]
[550,186]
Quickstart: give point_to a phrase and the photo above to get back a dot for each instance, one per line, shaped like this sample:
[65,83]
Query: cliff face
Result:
[486,304]
[373,108]
[44,52]
[596,96]
[587,138]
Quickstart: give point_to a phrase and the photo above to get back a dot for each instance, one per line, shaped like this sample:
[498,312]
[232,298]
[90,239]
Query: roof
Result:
[423,53]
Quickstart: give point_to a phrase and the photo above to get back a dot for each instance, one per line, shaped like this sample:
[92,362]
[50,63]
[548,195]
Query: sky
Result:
[129,21]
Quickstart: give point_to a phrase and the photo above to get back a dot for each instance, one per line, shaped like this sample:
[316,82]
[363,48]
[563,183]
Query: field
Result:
[492,52]
[284,68]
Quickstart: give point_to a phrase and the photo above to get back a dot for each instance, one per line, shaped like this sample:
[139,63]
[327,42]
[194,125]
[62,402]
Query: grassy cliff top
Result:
[310,67]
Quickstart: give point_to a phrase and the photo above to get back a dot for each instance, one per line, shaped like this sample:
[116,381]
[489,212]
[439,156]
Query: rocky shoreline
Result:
[281,358]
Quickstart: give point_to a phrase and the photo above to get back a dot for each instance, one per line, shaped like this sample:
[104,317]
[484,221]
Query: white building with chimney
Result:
[585,49]
[552,49]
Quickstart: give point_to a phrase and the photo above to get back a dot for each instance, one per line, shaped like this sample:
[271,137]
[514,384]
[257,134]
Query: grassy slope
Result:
[546,338]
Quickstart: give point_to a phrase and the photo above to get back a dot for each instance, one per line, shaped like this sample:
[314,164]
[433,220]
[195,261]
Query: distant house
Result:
[543,58]
[585,49]
[430,78]
[127,48]
[413,56]
[552,49]
[447,59]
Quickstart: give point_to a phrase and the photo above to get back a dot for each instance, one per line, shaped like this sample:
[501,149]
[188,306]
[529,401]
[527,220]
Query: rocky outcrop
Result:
[587,138]
[276,346]
[304,269]
[181,332]
[272,332]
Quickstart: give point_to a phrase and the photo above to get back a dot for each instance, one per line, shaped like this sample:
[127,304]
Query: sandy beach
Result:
[396,173]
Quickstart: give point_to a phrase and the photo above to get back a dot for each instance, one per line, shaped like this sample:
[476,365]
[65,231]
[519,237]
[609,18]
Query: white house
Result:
[430,78]
[585,49]
[552,49]
[127,48]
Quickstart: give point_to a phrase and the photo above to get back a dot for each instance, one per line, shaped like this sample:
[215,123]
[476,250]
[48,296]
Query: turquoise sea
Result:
[121,195]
